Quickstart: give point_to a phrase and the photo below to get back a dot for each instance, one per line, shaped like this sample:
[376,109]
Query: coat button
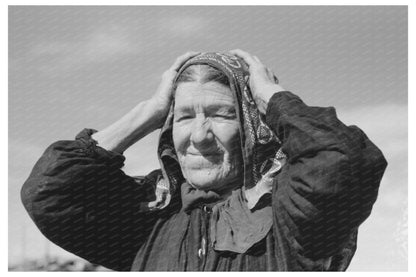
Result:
[207,209]
[203,250]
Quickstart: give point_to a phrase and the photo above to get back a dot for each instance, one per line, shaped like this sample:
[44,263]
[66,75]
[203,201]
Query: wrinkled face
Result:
[206,136]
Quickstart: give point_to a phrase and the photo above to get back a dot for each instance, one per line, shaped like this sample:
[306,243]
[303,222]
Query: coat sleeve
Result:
[81,200]
[330,181]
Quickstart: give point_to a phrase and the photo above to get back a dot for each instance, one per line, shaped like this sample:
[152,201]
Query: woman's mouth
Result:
[200,158]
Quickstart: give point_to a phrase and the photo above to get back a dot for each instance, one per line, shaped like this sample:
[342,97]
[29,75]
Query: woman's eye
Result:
[224,116]
[184,117]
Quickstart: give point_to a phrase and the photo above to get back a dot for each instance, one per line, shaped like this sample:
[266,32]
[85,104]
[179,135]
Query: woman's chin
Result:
[204,180]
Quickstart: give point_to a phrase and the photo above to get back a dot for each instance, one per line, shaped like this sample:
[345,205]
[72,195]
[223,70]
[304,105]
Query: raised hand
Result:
[163,96]
[263,82]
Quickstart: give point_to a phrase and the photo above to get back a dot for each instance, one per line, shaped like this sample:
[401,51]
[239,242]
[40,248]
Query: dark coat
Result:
[80,199]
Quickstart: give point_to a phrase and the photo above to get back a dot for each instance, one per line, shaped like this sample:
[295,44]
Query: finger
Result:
[245,56]
[273,76]
[275,79]
[259,62]
[257,59]
[270,74]
[182,59]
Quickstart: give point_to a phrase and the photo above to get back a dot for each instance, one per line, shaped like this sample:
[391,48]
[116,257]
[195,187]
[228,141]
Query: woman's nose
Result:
[201,132]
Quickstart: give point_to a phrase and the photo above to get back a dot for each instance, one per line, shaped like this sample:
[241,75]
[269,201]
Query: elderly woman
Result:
[251,178]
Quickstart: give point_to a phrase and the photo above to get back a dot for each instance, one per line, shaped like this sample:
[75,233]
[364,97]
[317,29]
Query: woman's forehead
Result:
[211,93]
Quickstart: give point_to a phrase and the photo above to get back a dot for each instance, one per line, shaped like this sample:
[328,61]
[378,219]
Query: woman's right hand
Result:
[145,117]
[163,97]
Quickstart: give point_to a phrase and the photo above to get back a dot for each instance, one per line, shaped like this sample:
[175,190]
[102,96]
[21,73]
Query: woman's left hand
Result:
[263,82]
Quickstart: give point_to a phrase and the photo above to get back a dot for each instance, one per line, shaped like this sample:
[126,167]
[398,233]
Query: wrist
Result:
[158,111]
[140,121]
[268,92]
[265,95]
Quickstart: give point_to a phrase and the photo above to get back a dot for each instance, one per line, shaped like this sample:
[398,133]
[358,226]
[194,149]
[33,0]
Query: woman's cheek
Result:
[180,136]
[227,132]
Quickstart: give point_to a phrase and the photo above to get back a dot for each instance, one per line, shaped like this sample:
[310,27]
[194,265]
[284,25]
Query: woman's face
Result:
[206,136]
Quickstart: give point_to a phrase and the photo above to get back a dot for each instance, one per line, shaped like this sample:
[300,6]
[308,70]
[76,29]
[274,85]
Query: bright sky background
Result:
[77,67]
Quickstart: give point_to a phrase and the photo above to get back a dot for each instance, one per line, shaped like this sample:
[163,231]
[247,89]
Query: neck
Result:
[225,191]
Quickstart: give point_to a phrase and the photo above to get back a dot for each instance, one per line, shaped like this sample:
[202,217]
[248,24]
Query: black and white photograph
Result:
[208,138]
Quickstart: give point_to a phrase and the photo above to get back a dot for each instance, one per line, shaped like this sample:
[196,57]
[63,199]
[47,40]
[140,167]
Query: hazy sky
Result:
[77,67]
